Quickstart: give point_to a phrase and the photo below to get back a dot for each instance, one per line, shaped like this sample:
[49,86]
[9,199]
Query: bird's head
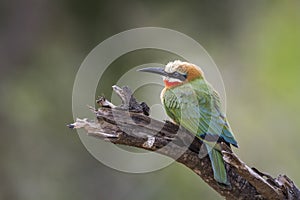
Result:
[176,73]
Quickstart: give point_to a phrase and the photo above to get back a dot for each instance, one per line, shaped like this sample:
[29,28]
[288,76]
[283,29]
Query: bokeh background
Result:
[256,45]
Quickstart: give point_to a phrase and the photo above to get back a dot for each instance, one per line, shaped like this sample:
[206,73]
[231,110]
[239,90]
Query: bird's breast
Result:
[162,95]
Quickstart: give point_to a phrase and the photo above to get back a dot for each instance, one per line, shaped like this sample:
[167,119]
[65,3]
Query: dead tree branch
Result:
[130,125]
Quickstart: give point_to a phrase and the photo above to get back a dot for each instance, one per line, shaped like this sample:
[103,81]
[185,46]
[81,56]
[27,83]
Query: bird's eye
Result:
[176,74]
[179,76]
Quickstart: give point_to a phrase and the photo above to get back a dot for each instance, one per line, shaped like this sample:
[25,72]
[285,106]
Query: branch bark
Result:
[130,125]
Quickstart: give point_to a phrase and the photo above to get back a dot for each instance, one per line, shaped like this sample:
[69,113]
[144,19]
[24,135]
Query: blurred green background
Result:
[256,45]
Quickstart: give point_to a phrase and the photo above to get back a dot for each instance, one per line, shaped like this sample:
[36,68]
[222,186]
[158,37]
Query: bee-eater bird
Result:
[190,101]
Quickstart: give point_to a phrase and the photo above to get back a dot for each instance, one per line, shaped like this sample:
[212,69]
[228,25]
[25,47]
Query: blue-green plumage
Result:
[192,102]
[196,106]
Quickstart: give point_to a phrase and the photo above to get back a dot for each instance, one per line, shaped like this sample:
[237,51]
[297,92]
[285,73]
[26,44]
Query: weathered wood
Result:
[129,125]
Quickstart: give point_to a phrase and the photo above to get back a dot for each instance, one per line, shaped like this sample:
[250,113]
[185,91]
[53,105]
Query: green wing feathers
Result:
[196,107]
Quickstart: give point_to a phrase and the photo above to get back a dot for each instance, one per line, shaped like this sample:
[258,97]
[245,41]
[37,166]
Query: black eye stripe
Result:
[178,75]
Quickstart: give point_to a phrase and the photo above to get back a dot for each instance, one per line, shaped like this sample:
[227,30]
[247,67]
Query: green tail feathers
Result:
[218,165]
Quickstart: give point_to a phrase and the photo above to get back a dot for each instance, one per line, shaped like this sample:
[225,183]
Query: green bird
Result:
[190,101]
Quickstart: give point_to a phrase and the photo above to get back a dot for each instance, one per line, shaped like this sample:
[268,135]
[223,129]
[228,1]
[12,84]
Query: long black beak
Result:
[155,70]
[161,71]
